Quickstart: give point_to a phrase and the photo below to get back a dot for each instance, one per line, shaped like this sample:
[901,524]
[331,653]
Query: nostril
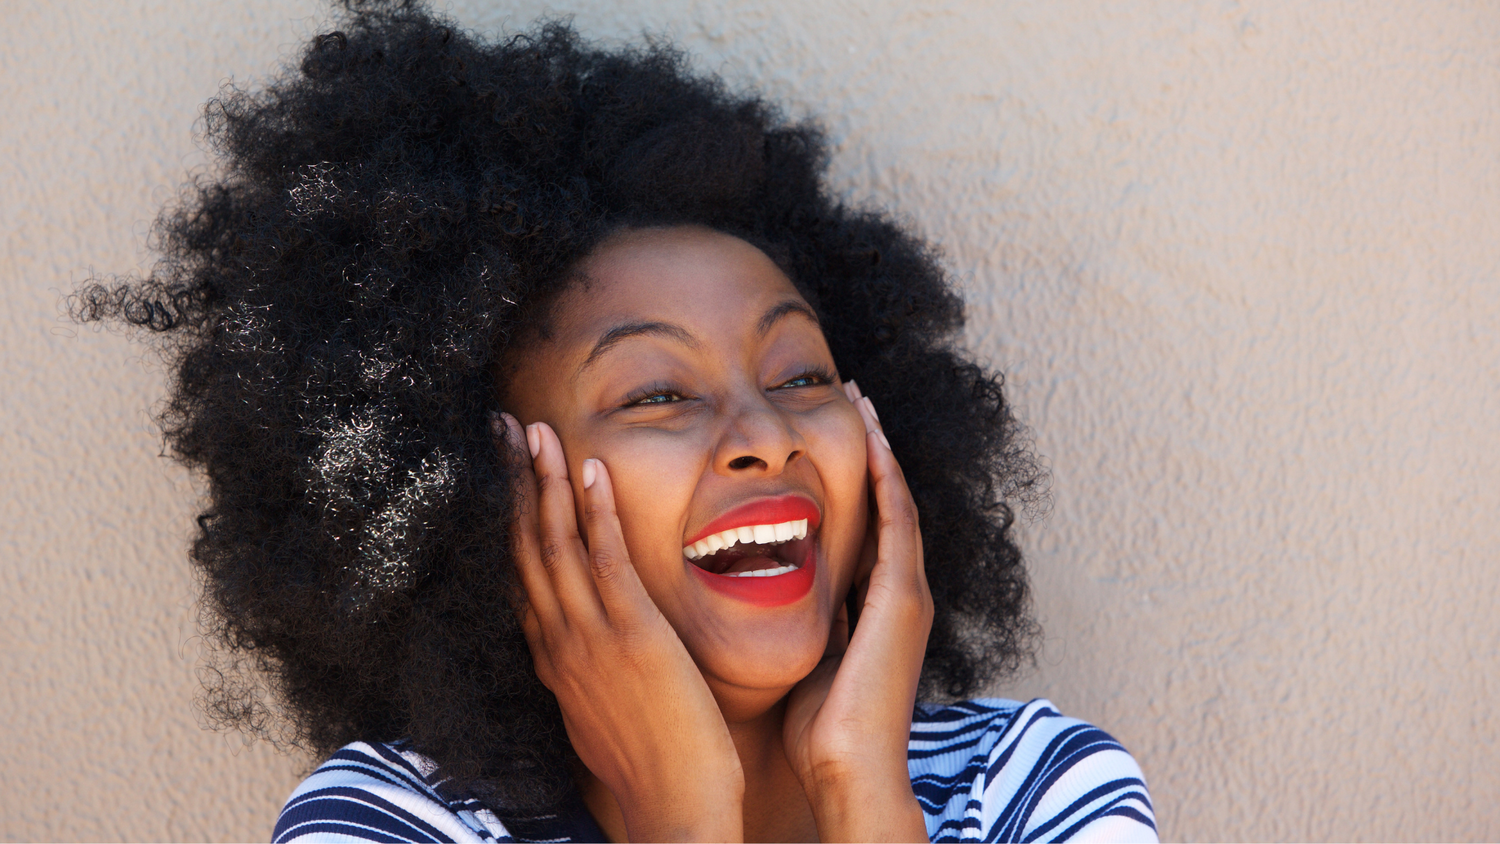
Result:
[744,462]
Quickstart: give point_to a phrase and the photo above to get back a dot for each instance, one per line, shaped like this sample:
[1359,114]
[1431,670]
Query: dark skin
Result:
[684,376]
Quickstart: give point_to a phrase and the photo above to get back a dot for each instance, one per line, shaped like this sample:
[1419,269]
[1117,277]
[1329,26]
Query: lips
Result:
[761,553]
[766,511]
[765,591]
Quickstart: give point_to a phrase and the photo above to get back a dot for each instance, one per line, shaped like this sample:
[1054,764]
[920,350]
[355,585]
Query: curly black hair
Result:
[390,215]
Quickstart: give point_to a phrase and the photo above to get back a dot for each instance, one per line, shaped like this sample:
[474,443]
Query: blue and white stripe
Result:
[983,770]
[376,792]
[997,770]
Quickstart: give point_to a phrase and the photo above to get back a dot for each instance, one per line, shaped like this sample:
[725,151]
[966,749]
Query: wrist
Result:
[866,805]
[719,822]
[695,809]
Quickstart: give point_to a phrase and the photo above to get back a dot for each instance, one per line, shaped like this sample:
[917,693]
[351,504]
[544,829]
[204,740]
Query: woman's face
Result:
[686,361]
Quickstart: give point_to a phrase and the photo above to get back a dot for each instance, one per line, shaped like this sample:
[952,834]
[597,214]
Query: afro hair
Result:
[385,219]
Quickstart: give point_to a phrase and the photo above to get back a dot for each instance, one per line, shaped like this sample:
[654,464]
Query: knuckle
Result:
[915,607]
[606,566]
[546,673]
[534,638]
[908,600]
[534,643]
[902,516]
[593,511]
[551,555]
[548,484]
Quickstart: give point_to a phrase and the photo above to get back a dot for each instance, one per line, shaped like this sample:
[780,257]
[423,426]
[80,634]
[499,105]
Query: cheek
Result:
[655,474]
[837,440]
[843,438]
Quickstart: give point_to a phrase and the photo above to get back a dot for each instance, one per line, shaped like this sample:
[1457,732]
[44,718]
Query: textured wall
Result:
[1239,259]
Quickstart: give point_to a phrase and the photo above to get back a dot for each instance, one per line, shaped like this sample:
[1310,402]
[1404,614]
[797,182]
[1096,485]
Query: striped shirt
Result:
[982,770]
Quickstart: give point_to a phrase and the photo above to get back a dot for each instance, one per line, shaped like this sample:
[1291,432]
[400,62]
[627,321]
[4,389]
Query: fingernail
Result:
[887,442]
[871,405]
[590,470]
[512,427]
[853,390]
[533,440]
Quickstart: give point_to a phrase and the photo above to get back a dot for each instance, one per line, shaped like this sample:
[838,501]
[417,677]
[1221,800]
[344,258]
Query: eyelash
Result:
[818,374]
[642,398]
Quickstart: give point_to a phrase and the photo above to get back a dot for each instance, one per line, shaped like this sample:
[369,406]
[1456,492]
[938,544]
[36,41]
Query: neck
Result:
[775,807]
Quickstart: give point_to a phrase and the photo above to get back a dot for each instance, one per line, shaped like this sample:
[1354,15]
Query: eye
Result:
[654,395]
[810,378]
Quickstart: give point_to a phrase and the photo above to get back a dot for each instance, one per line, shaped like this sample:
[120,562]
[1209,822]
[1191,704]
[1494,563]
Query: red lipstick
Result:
[764,591]
[777,590]
[767,511]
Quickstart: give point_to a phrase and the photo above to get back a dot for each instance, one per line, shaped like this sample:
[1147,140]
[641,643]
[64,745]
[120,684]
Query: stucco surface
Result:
[1241,262]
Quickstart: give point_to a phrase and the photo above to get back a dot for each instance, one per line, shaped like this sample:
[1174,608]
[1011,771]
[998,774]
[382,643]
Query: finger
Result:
[526,547]
[620,587]
[562,551]
[896,605]
[531,628]
[868,553]
[851,390]
[541,655]
[900,511]
[838,635]
[899,535]
[872,419]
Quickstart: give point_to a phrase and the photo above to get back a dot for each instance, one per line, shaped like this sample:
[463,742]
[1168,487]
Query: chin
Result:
[754,638]
[774,666]
[770,653]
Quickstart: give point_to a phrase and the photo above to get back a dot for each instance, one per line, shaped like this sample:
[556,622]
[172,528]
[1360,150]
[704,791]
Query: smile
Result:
[760,553]
[768,535]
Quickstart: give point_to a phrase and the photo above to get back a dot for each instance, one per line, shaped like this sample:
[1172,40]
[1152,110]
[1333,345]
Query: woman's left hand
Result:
[848,723]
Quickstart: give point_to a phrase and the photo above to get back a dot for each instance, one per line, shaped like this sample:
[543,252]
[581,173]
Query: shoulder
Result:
[1001,770]
[377,792]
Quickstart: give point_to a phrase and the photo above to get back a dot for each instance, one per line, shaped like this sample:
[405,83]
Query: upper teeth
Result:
[751,534]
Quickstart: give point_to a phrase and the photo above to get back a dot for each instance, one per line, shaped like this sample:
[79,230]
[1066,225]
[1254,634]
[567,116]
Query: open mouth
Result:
[763,553]
[765,550]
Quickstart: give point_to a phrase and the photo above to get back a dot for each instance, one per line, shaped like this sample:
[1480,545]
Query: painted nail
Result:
[533,440]
[887,442]
[872,408]
[590,470]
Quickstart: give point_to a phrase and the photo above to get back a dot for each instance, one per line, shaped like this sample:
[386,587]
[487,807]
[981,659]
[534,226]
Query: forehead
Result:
[684,275]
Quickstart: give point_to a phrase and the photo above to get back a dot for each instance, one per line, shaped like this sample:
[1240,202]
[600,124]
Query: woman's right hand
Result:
[636,708]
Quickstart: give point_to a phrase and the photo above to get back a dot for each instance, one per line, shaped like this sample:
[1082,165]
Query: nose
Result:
[759,439]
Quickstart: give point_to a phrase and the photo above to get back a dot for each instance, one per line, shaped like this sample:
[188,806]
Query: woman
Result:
[523,377]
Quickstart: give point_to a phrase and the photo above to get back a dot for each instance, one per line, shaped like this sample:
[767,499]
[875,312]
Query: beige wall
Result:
[1239,259]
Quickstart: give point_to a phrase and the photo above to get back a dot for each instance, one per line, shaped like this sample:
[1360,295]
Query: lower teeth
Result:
[764,572]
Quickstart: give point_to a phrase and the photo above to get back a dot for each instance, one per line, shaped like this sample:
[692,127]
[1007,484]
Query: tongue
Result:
[737,560]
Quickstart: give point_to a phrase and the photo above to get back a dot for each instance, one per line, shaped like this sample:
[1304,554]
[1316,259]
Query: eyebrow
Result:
[774,315]
[677,333]
[619,333]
